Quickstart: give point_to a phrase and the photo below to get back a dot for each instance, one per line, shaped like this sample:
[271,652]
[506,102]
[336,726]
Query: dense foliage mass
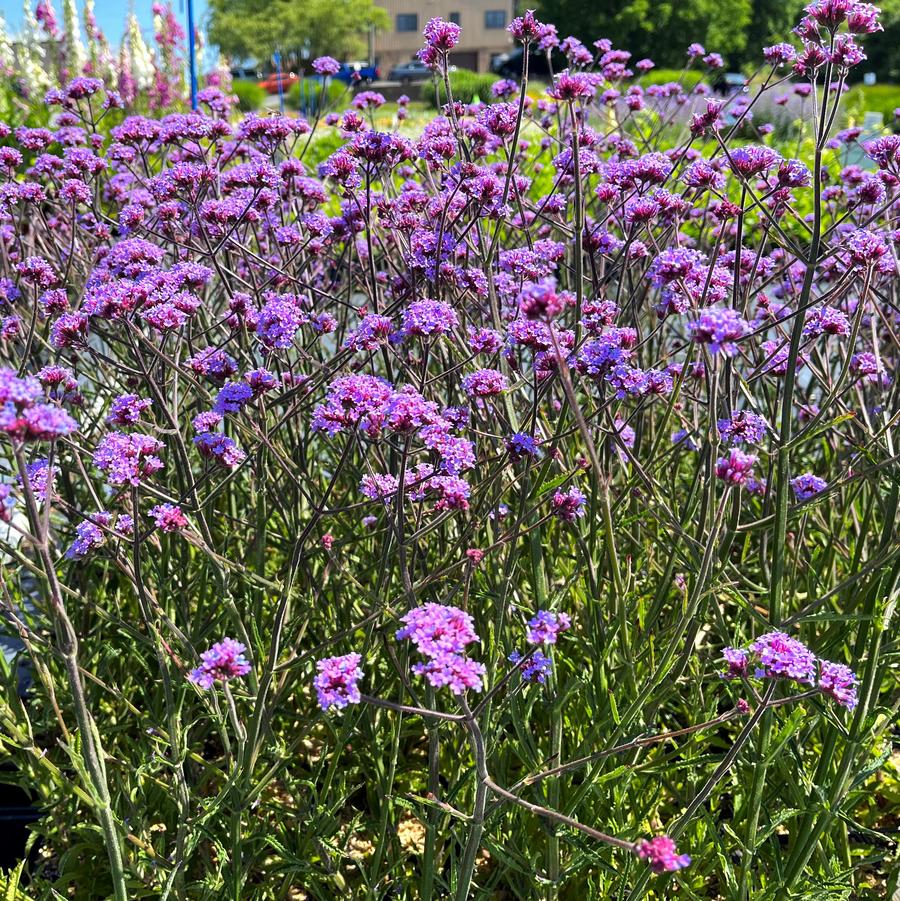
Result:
[507,508]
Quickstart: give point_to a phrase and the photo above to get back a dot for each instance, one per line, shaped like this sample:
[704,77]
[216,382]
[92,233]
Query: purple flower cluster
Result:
[777,655]
[337,681]
[661,854]
[441,634]
[24,414]
[223,662]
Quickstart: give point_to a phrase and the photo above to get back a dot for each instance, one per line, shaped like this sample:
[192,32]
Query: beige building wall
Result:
[478,43]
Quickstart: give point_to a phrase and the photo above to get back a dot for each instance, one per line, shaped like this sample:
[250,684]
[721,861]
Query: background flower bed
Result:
[232,291]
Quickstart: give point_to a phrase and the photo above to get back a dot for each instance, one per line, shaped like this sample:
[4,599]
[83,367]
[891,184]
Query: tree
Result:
[296,28]
[660,30]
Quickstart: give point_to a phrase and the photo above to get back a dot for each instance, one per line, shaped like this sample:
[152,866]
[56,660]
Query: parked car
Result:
[729,83]
[414,70]
[509,65]
[283,81]
[366,73]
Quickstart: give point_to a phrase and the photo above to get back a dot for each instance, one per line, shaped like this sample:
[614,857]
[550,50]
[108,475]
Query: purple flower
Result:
[232,397]
[40,477]
[839,682]
[825,321]
[435,629]
[447,670]
[90,537]
[662,855]
[568,505]
[544,627]
[535,668]
[223,662]
[326,65]
[779,656]
[128,458]
[738,661]
[279,321]
[429,317]
[720,329]
[736,468]
[806,486]
[744,427]
[126,409]
[221,448]
[484,383]
[521,445]
[168,517]
[336,683]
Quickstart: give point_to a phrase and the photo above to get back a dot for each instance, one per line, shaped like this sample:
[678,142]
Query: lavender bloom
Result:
[326,65]
[545,627]
[662,855]
[232,397]
[90,537]
[738,661]
[223,662]
[427,318]
[336,683]
[220,448]
[484,383]
[41,478]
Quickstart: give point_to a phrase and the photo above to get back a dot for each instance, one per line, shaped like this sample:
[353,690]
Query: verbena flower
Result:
[337,681]
[807,486]
[545,627]
[735,469]
[534,668]
[223,662]
[662,855]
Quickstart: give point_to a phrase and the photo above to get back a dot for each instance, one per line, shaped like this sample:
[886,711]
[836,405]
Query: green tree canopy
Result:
[661,30]
[257,28]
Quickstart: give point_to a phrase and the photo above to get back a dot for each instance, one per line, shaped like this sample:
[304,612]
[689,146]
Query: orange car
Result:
[270,84]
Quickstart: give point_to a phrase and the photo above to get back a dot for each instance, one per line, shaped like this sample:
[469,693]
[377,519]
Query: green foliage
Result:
[689,79]
[662,31]
[336,95]
[465,85]
[260,27]
[877,98]
[250,95]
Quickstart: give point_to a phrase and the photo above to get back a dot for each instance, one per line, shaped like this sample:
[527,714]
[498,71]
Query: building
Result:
[483,24]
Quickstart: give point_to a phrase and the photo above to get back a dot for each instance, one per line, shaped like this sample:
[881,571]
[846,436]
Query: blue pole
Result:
[192,49]
[280,82]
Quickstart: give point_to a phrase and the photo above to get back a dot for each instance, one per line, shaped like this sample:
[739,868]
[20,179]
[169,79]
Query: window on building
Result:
[407,21]
[495,18]
[454,18]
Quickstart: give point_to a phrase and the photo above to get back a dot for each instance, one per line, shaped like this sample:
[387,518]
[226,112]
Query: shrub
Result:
[507,508]
[689,79]
[308,91]
[878,98]
[465,85]
[251,97]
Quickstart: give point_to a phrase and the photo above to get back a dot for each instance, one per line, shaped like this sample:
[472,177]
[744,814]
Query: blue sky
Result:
[110,14]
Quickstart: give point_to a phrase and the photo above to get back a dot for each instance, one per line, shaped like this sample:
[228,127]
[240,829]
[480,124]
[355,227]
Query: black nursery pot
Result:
[16,813]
